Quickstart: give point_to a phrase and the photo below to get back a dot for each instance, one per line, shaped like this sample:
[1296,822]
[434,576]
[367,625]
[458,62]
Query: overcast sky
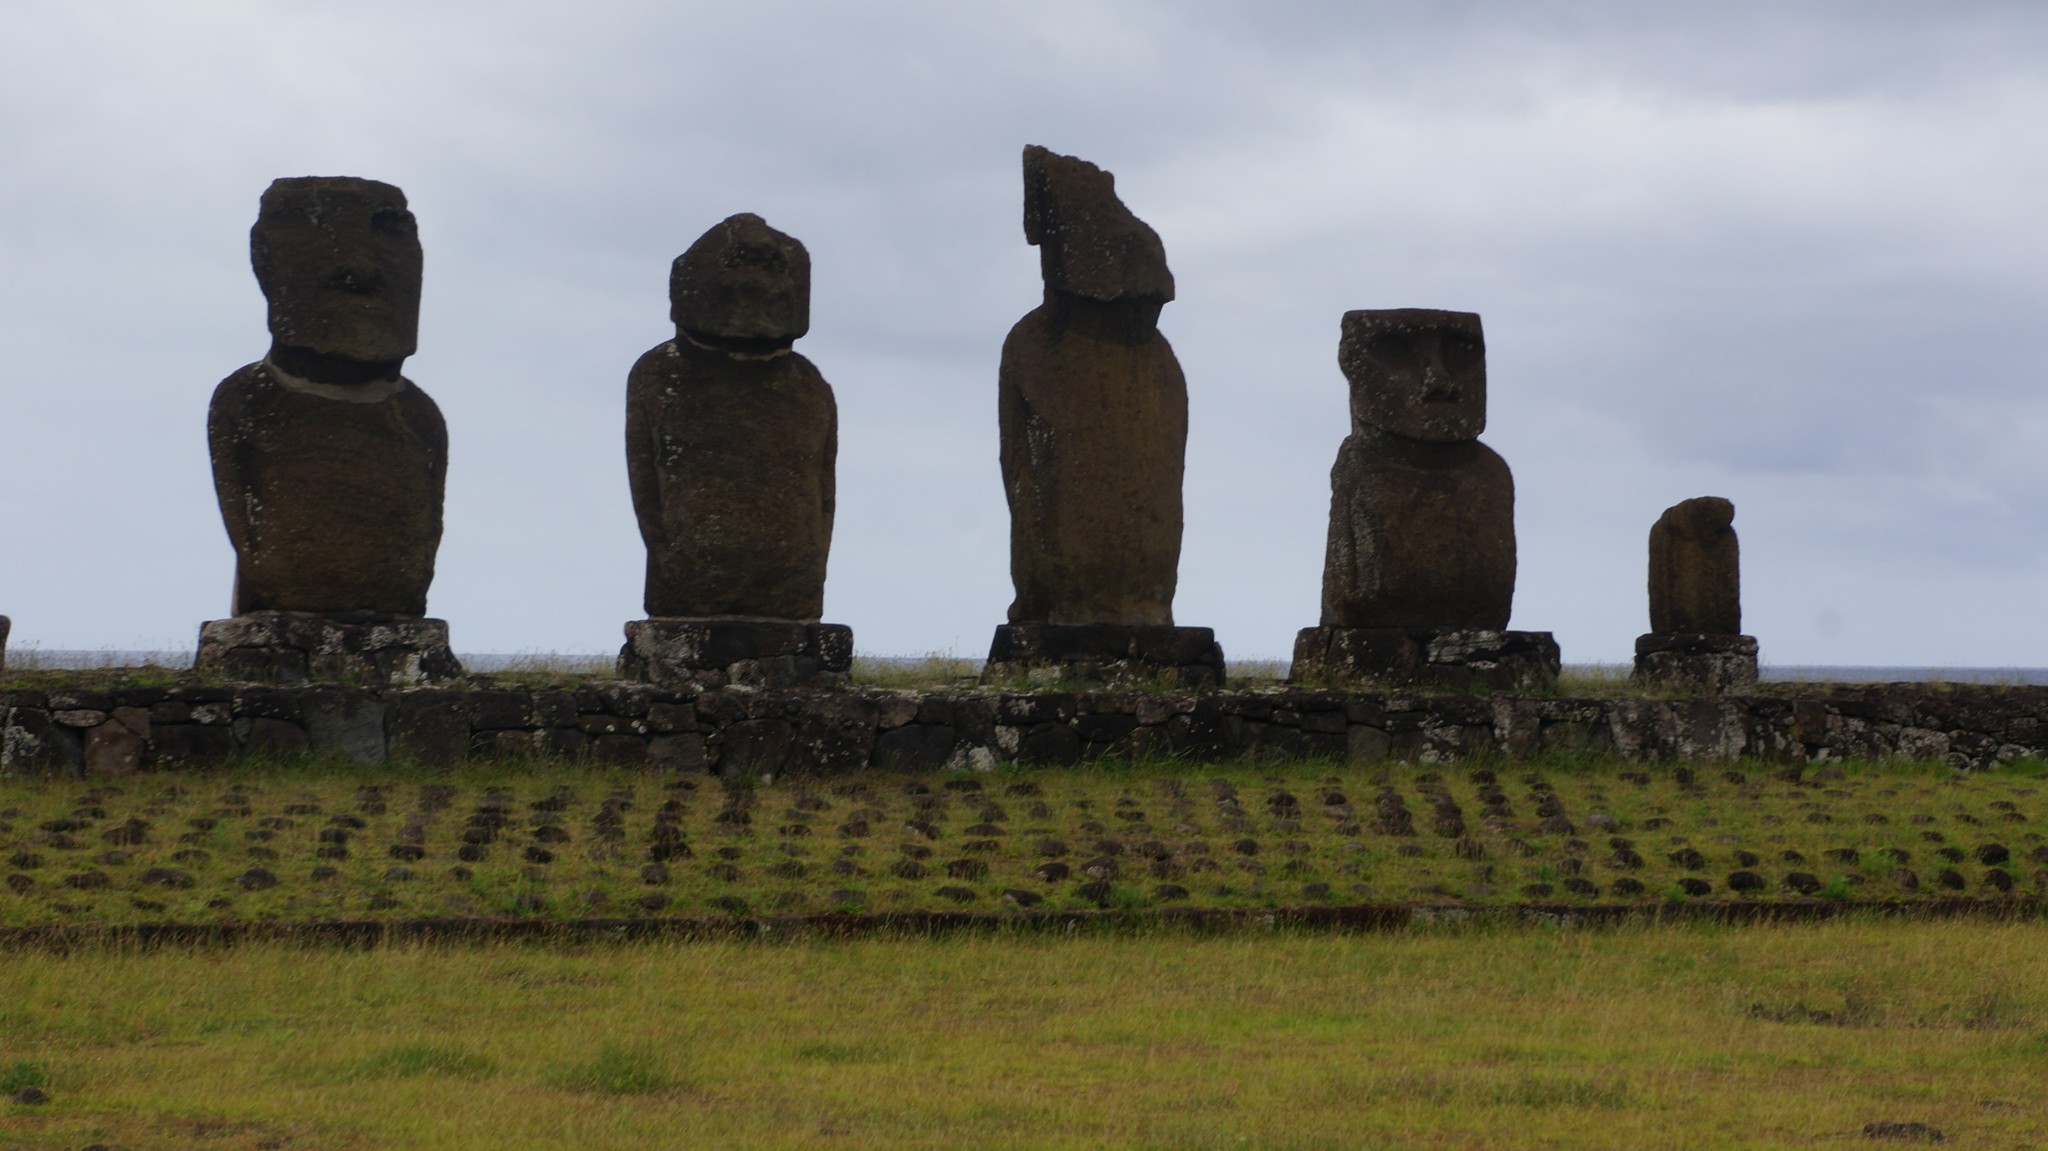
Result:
[1792,254]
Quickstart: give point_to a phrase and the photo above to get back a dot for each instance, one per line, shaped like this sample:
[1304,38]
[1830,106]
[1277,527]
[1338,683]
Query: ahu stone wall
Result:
[741,732]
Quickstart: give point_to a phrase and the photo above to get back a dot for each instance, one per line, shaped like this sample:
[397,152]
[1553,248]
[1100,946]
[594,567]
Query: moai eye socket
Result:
[1395,350]
[1461,354]
[394,222]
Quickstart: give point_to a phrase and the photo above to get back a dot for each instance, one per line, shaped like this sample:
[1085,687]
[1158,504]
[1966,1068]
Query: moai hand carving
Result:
[1094,419]
[732,437]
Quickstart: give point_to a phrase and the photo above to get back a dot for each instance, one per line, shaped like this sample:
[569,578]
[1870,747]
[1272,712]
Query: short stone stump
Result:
[1462,660]
[368,649]
[1691,661]
[712,653]
[1104,655]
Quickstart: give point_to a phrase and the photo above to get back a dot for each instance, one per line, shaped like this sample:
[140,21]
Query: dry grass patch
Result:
[1471,1038]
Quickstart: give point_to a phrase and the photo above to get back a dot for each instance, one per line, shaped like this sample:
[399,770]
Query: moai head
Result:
[339,260]
[742,280]
[1089,244]
[1696,569]
[1418,373]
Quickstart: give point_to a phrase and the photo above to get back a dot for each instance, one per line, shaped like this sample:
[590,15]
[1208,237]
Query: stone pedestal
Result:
[680,652]
[1693,661]
[1102,655]
[1471,659]
[370,649]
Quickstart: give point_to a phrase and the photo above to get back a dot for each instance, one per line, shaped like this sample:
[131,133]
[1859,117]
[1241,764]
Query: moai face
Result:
[339,260]
[1089,244]
[742,280]
[1418,373]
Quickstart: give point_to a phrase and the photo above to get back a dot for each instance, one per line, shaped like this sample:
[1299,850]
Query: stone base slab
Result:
[713,653]
[1091,655]
[294,647]
[1474,659]
[1711,664]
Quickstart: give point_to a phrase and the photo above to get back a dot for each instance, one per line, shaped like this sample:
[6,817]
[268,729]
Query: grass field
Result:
[321,843]
[1442,1037]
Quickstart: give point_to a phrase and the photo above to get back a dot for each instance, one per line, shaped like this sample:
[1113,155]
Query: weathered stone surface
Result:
[1695,569]
[1712,664]
[732,436]
[1093,412]
[1422,516]
[1095,655]
[367,648]
[1471,659]
[329,465]
[1418,373]
[1422,535]
[712,653]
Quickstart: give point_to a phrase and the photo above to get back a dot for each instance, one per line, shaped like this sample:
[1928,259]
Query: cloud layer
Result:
[1790,257]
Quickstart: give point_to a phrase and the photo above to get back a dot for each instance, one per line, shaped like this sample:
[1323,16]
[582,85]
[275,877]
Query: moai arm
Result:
[227,436]
[828,486]
[643,463]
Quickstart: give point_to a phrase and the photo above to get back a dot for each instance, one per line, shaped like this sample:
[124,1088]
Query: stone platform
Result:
[1465,660]
[1686,661]
[1104,655]
[365,648]
[711,653]
[106,725]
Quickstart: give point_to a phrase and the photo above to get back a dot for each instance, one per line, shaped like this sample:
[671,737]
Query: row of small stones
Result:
[665,842]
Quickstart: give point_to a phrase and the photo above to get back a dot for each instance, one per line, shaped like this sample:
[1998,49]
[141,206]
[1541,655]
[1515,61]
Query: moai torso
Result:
[1695,569]
[329,465]
[1093,411]
[732,436]
[1422,515]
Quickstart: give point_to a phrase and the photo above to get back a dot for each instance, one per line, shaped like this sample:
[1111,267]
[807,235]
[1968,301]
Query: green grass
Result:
[1456,1036]
[318,842]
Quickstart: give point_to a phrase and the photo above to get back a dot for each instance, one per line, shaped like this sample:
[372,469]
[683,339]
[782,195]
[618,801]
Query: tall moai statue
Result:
[731,441]
[1094,419]
[1419,567]
[329,464]
[1695,641]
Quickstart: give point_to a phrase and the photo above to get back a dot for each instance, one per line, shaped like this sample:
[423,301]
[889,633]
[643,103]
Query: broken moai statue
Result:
[731,441]
[1094,421]
[328,463]
[1419,568]
[1695,641]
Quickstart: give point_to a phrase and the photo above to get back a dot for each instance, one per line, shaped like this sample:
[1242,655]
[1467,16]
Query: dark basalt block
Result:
[1471,659]
[291,647]
[1712,664]
[678,652]
[1091,654]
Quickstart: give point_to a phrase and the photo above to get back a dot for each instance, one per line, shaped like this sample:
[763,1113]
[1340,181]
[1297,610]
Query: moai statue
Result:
[1419,569]
[328,463]
[731,440]
[6,625]
[1094,419]
[1695,641]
